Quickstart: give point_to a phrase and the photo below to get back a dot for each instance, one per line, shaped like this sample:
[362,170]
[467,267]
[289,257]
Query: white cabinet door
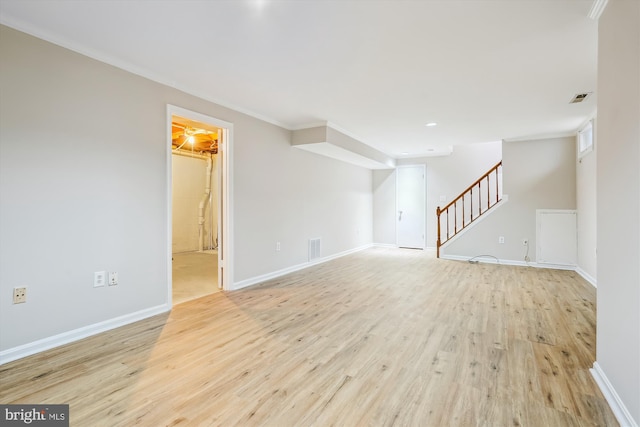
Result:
[556,236]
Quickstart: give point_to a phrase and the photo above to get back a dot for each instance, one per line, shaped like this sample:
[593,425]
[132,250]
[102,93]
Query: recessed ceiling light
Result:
[431,124]
[404,153]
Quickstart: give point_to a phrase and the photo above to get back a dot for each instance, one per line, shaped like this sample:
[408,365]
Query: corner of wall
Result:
[616,404]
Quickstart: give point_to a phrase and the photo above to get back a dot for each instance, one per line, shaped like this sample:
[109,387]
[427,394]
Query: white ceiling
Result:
[376,70]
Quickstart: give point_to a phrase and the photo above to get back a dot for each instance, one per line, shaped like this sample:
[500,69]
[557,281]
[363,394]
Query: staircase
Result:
[470,205]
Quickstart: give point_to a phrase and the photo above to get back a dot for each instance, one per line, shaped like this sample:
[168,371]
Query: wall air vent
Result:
[579,97]
[314,249]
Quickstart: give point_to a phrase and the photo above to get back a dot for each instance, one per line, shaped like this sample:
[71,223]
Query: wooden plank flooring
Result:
[381,337]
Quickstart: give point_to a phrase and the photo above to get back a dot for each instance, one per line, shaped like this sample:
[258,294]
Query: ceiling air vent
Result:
[579,97]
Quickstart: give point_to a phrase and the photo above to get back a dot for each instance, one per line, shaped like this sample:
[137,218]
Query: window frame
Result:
[587,129]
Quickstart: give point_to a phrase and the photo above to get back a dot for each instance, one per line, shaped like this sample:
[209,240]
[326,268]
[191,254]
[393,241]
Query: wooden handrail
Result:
[469,188]
[461,197]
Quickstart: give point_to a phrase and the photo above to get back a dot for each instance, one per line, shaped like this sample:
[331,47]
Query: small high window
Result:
[585,139]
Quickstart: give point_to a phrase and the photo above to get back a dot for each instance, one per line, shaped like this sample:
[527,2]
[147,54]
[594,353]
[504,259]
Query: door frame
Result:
[225,196]
[424,200]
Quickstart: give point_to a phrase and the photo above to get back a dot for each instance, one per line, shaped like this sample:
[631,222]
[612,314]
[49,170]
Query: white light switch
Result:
[99,279]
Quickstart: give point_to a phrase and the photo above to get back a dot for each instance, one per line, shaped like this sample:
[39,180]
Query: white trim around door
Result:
[225,219]
[411,206]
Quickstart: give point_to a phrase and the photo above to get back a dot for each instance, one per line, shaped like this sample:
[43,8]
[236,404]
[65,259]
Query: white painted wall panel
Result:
[187,189]
[586,197]
[618,183]
[556,237]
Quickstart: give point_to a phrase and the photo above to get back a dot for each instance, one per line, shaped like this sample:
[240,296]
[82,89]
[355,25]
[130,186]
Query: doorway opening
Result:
[198,211]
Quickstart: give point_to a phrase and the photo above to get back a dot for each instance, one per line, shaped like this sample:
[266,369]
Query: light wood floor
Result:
[381,337]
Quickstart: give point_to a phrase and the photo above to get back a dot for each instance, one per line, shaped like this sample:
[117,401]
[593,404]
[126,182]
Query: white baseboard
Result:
[490,260]
[268,276]
[393,246]
[48,343]
[587,277]
[617,406]
[385,245]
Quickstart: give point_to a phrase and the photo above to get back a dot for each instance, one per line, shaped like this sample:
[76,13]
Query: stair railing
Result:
[485,193]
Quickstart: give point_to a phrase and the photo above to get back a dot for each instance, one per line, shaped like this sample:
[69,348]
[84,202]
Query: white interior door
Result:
[410,206]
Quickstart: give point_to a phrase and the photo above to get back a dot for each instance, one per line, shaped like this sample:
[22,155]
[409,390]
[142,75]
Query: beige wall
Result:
[618,183]
[289,195]
[83,184]
[447,176]
[537,174]
[450,175]
[384,206]
[586,204]
[188,182]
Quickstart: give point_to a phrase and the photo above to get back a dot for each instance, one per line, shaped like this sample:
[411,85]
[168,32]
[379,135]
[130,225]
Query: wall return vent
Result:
[579,97]
[314,249]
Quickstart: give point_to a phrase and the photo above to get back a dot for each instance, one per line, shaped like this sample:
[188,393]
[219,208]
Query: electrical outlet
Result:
[19,295]
[113,278]
[525,242]
[501,239]
[277,246]
[99,279]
